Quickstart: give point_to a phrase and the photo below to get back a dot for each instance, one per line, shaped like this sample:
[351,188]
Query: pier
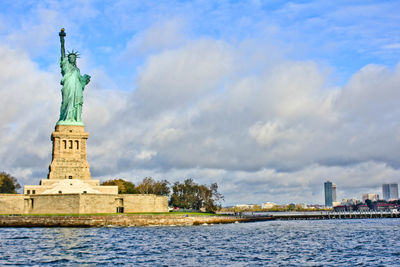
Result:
[323,215]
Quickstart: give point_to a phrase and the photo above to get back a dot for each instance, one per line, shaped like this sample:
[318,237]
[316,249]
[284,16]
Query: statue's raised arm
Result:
[62,34]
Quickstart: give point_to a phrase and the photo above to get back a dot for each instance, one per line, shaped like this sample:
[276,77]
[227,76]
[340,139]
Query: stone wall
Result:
[94,203]
[144,203]
[54,204]
[11,204]
[81,203]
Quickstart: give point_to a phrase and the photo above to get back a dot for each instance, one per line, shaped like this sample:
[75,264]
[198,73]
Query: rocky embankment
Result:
[125,220]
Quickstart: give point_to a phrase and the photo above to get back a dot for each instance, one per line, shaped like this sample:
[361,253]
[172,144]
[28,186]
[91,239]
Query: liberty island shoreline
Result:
[134,220]
[119,220]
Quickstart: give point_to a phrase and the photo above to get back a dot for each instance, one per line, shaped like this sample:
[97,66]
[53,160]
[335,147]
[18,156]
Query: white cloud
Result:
[35,36]
[371,94]
[275,132]
[264,127]
[392,46]
[146,155]
[160,36]
[27,100]
[176,78]
[271,135]
[276,129]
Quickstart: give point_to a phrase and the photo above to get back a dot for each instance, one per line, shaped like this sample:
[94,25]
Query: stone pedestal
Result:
[69,159]
[69,170]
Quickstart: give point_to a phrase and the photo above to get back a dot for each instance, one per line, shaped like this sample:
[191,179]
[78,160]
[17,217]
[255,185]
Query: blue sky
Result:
[263,97]
[345,35]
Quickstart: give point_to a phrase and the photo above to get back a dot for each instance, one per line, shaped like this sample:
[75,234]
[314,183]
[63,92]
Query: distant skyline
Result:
[267,98]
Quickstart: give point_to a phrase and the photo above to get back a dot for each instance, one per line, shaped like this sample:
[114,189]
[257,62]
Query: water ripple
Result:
[277,243]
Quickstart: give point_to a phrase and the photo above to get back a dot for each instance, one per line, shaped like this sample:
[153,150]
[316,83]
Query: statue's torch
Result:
[62,33]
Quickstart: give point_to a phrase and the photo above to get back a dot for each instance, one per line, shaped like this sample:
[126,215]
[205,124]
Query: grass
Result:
[176,213]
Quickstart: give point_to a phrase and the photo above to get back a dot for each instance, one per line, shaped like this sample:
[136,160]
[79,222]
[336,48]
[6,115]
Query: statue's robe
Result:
[72,93]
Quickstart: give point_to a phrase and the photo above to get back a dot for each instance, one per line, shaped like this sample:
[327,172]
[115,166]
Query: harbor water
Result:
[363,242]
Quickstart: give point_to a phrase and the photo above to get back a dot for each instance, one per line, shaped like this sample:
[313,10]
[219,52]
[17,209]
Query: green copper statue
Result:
[73,85]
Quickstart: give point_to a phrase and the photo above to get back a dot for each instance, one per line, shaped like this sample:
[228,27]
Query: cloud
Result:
[392,46]
[195,114]
[265,123]
[27,98]
[371,94]
[160,36]
[302,186]
[146,155]
[175,78]
[274,132]
[35,37]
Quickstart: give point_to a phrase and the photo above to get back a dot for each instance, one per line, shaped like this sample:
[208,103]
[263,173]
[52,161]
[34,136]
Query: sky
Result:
[269,99]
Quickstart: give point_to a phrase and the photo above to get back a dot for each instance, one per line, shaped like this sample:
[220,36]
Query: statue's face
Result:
[72,59]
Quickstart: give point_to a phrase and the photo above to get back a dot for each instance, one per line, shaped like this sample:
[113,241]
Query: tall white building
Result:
[390,191]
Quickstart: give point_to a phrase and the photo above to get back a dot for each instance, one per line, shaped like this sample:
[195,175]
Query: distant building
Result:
[315,206]
[330,193]
[385,207]
[334,199]
[350,201]
[340,208]
[245,206]
[302,205]
[372,197]
[268,205]
[362,207]
[390,191]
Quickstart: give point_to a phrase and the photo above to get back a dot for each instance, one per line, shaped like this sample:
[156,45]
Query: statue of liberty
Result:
[73,85]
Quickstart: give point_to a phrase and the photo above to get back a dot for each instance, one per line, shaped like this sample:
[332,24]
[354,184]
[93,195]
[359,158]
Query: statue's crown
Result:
[75,53]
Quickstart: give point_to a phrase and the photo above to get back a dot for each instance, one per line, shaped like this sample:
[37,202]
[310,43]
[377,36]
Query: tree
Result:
[397,202]
[190,195]
[124,187]
[151,186]
[211,198]
[369,204]
[184,194]
[8,183]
